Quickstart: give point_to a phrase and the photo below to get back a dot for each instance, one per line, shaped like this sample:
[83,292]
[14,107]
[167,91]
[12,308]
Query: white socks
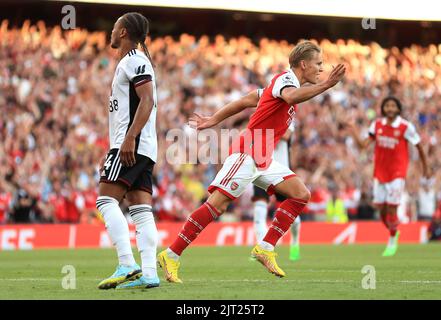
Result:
[266,246]
[295,231]
[392,241]
[118,229]
[295,236]
[260,214]
[146,237]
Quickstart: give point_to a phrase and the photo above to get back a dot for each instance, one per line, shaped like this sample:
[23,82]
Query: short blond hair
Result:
[302,51]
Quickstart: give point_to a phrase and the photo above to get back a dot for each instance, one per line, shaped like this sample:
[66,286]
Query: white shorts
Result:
[388,193]
[239,170]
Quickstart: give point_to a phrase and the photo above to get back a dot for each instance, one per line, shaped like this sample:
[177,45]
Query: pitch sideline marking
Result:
[251,280]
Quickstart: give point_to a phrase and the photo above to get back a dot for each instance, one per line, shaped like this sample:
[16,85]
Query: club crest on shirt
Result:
[397,133]
[234,185]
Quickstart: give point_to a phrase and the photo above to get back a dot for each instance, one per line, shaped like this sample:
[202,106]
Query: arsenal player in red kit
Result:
[250,159]
[391,135]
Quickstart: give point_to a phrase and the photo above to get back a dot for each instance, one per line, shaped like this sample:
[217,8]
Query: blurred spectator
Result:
[435,226]
[365,210]
[406,211]
[24,207]
[5,204]
[335,208]
[351,197]
[426,200]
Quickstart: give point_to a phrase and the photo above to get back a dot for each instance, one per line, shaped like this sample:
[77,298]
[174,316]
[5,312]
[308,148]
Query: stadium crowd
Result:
[54,88]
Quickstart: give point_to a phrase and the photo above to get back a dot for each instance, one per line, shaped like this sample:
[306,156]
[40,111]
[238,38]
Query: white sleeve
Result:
[138,70]
[285,80]
[371,130]
[411,134]
[292,126]
[259,93]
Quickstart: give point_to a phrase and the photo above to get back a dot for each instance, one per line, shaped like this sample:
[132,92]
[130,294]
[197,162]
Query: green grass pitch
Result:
[324,272]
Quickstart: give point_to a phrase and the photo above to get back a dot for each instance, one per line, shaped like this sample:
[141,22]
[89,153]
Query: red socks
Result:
[393,223]
[196,222]
[284,217]
[390,220]
[384,220]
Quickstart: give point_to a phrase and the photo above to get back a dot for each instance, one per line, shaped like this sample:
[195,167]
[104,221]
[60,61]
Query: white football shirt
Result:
[133,70]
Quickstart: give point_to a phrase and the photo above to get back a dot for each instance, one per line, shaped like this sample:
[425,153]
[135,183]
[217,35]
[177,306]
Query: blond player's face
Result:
[313,68]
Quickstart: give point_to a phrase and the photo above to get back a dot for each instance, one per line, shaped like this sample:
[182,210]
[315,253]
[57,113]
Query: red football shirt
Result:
[59,204]
[391,148]
[269,122]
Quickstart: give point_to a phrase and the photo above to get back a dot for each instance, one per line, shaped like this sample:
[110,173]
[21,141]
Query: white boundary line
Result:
[249,280]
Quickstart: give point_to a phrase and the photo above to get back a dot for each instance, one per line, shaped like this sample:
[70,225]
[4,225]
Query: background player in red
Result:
[250,157]
[391,134]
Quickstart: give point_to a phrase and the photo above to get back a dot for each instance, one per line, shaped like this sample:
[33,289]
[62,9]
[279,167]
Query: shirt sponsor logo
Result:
[387,142]
[287,79]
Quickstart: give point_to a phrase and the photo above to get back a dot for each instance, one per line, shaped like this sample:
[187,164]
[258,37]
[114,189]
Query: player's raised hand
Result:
[336,75]
[199,122]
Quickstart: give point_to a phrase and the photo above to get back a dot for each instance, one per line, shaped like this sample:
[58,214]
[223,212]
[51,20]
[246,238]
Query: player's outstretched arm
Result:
[142,115]
[423,158]
[249,101]
[350,127]
[293,95]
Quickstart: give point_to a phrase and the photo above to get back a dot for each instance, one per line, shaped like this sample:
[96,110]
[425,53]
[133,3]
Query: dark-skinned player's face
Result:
[115,37]
[391,109]
[313,67]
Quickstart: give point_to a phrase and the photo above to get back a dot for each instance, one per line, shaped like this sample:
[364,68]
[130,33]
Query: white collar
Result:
[394,124]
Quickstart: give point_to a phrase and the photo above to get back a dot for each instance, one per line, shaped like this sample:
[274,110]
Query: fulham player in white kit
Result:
[391,134]
[127,170]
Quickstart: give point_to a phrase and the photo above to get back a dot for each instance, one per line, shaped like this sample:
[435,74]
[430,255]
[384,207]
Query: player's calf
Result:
[297,197]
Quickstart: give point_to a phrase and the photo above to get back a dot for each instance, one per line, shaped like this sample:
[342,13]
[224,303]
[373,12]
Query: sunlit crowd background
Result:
[54,88]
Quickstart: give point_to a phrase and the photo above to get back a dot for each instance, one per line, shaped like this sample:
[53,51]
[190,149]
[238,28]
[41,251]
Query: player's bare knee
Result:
[138,197]
[221,207]
[302,193]
[392,209]
[219,202]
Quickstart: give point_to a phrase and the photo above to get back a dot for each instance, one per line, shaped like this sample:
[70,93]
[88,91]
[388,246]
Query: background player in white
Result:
[127,171]
[391,134]
[261,198]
